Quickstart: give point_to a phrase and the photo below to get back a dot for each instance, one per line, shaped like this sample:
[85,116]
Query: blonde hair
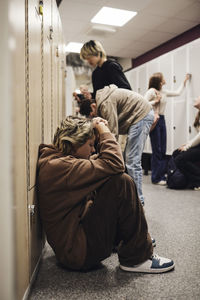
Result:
[72,133]
[92,48]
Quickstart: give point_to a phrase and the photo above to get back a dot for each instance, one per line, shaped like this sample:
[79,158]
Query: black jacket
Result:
[109,73]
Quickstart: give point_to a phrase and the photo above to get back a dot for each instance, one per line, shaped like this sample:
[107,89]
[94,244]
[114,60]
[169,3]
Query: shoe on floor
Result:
[197,188]
[162,182]
[153,242]
[156,264]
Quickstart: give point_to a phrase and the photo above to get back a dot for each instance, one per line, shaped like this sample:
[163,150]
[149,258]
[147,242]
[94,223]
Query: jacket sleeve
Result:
[90,173]
[194,142]
[174,93]
[108,111]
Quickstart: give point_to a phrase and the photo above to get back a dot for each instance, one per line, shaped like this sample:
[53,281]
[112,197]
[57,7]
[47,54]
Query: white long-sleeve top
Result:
[160,107]
[193,142]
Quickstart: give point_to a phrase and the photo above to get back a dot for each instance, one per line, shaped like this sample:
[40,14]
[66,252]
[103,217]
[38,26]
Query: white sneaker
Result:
[197,188]
[162,182]
[156,264]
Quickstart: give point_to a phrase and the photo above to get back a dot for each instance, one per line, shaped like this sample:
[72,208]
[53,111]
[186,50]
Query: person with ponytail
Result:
[157,96]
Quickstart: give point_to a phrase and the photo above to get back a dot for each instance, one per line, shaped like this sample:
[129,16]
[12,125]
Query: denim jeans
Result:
[136,139]
[158,139]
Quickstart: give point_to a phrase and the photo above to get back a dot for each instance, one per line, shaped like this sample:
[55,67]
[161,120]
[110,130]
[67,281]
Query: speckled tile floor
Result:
[174,220]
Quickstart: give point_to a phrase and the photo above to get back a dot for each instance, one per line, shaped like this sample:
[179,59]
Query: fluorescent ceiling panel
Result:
[113,16]
[73,47]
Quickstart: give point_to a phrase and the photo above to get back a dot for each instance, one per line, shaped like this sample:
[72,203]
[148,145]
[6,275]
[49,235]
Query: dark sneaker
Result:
[156,264]
[153,242]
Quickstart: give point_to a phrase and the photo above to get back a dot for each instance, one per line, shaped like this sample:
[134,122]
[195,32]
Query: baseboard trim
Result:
[33,277]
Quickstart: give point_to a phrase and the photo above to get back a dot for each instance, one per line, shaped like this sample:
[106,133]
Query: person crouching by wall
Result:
[188,159]
[88,205]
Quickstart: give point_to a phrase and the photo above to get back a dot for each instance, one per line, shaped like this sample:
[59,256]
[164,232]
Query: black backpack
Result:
[175,179]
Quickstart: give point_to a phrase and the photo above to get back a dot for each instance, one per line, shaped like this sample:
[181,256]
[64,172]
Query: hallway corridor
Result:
[173,218]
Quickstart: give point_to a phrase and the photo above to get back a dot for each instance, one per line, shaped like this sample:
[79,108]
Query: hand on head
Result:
[96,121]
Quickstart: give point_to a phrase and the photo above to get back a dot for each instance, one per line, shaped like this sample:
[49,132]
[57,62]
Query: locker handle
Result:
[174,127]
[190,129]
[31,209]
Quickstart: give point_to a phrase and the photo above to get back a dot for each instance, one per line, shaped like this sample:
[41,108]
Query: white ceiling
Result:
[157,21]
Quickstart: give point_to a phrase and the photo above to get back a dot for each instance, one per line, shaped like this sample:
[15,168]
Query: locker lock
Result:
[41,7]
[51,33]
[31,209]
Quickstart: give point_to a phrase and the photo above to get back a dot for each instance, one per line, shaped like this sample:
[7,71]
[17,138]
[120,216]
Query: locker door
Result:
[36,232]
[142,80]
[16,87]
[47,48]
[128,74]
[194,68]
[34,123]
[165,65]
[179,102]
[134,80]
[34,101]
[194,86]
[54,67]
[152,67]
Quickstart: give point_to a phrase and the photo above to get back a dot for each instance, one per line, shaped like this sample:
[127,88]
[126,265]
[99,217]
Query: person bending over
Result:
[128,113]
[106,71]
[88,205]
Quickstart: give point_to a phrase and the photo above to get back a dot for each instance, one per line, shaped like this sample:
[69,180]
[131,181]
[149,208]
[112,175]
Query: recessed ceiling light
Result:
[113,16]
[73,47]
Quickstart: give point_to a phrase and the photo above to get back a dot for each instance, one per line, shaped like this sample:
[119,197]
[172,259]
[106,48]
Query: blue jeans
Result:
[158,139]
[136,139]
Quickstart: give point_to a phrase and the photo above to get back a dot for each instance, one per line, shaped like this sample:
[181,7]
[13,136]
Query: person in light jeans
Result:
[136,139]
[127,112]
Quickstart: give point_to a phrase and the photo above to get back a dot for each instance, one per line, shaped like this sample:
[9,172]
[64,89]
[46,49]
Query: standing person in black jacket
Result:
[106,71]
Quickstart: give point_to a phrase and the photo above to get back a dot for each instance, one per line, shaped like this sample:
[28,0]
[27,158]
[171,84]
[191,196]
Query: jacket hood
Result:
[47,152]
[104,93]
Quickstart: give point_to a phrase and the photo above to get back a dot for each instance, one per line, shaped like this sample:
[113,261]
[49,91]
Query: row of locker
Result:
[36,62]
[180,112]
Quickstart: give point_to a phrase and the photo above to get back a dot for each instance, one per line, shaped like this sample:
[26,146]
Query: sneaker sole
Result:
[150,271]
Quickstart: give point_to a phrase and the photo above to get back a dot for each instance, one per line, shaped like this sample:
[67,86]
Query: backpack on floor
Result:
[175,179]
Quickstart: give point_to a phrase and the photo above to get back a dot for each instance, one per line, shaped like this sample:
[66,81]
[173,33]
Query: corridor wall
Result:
[35,93]
[180,112]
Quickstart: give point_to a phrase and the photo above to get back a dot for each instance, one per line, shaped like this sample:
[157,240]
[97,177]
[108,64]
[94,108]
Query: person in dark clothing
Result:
[188,159]
[88,205]
[106,71]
